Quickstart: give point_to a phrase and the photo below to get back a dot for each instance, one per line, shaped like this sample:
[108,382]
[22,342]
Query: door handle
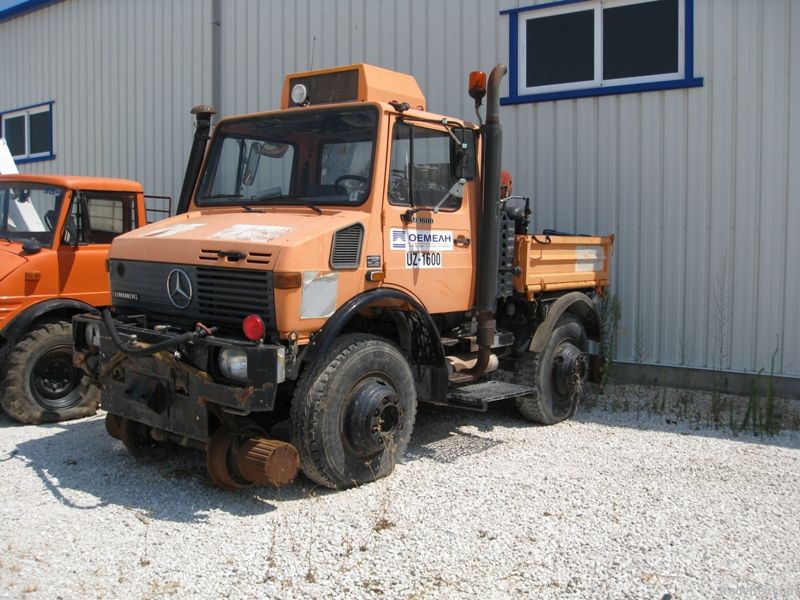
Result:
[462,240]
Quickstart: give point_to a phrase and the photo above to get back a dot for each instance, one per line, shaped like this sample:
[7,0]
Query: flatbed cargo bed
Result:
[563,262]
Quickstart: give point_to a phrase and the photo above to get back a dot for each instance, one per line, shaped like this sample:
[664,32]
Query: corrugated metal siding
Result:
[123,75]
[700,186]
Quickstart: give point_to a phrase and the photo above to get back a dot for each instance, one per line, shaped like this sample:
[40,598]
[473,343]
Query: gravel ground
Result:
[615,503]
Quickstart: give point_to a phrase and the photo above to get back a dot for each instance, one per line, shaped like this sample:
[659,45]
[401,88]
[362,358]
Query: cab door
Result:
[94,219]
[428,239]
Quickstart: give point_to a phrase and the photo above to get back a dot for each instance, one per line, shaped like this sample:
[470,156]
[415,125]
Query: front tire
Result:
[41,385]
[558,373]
[353,412]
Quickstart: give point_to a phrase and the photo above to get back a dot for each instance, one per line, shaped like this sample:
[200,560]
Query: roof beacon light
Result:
[477,90]
[299,94]
[253,328]
[477,86]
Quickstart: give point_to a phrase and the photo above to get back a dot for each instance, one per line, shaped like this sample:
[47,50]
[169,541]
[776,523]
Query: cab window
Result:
[29,211]
[422,168]
[296,158]
[99,217]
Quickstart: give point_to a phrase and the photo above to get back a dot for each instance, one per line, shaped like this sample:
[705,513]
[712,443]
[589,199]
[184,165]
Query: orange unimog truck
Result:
[341,260]
[55,232]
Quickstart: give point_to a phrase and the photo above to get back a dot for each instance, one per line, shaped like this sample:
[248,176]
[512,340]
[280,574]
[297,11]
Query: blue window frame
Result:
[28,131]
[579,48]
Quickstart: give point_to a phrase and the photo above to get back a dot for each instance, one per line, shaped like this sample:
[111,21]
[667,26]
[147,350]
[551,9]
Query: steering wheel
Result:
[346,176]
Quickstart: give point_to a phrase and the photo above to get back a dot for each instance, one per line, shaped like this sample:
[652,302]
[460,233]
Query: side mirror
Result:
[462,155]
[31,246]
[253,158]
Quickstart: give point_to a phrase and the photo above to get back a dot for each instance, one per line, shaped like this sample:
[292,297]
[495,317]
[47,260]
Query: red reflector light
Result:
[253,327]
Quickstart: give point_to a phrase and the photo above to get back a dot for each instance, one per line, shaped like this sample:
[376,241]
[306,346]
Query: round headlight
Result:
[233,363]
[92,334]
[299,94]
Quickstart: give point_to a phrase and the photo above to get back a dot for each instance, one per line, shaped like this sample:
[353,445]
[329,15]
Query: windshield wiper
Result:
[273,200]
[221,197]
[316,209]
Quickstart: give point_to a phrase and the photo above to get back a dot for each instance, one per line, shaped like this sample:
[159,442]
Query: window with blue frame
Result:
[577,48]
[29,132]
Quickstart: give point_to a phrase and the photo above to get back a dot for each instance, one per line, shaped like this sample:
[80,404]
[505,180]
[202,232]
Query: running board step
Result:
[477,396]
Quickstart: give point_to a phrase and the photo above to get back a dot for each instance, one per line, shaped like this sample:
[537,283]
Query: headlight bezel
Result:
[232,363]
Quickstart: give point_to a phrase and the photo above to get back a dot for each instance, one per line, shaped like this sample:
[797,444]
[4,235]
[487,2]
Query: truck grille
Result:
[229,295]
[220,296]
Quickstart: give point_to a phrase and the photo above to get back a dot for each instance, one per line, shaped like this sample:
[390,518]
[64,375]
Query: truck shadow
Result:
[85,469]
[439,433]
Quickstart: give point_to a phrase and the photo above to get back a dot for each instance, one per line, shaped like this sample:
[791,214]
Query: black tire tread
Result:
[526,373]
[15,394]
[309,397]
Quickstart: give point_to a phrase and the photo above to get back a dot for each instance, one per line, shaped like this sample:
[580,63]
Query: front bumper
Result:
[175,390]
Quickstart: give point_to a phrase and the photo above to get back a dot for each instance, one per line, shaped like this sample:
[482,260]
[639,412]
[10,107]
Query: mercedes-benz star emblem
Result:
[179,288]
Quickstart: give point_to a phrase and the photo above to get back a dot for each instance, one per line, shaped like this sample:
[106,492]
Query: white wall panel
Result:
[790,357]
[669,339]
[742,251]
[700,185]
[773,227]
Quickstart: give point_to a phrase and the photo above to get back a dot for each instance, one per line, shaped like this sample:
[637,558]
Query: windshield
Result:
[304,157]
[29,210]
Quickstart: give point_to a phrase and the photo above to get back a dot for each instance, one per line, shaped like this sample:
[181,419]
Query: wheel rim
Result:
[54,381]
[374,416]
[570,365]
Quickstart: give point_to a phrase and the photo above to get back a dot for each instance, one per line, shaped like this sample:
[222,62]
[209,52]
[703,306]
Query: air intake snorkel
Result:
[203,127]
[486,278]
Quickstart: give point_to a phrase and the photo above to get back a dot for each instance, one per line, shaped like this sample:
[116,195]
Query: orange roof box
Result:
[352,83]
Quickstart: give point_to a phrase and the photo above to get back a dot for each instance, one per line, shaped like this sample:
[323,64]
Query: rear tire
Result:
[41,385]
[353,412]
[558,373]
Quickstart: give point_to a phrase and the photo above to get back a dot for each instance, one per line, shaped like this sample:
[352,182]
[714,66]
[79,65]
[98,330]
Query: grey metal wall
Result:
[123,76]
[700,186]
